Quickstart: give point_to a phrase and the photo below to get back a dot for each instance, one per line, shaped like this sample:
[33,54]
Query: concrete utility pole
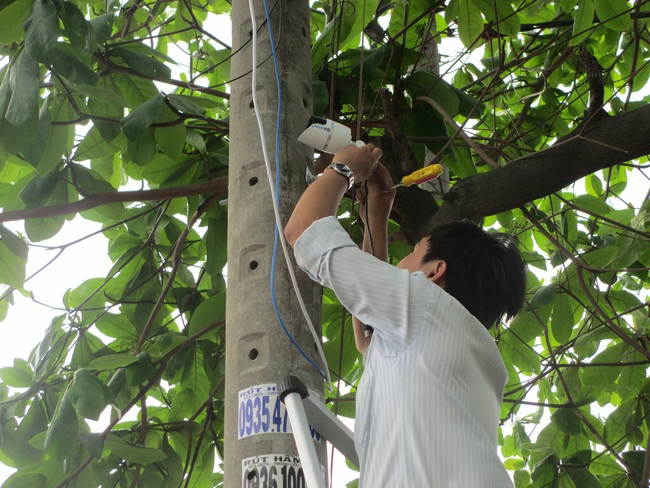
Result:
[258,451]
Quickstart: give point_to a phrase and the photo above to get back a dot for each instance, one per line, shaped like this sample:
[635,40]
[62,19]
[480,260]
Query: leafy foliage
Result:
[97,96]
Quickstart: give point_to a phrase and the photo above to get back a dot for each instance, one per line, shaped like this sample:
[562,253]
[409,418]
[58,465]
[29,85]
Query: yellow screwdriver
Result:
[420,176]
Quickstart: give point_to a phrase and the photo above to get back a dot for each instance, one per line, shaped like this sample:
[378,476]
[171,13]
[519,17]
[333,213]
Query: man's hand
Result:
[361,160]
[322,197]
[380,196]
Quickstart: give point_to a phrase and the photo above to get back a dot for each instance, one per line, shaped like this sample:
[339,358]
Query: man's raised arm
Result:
[374,210]
[321,198]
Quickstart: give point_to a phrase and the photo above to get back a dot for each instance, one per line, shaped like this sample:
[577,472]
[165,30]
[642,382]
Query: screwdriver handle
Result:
[421,175]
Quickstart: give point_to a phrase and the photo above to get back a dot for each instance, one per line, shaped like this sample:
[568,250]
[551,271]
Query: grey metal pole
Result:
[258,451]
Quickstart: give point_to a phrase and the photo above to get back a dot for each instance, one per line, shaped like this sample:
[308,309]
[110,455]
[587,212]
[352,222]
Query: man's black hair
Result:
[485,271]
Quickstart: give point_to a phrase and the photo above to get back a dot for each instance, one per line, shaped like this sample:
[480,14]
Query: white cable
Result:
[276,210]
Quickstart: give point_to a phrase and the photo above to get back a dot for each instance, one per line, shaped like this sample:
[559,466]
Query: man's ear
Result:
[436,271]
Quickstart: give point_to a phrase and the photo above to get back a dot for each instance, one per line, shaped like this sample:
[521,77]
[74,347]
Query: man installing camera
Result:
[429,399]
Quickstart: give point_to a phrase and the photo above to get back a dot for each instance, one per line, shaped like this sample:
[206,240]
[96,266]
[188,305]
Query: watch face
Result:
[343,169]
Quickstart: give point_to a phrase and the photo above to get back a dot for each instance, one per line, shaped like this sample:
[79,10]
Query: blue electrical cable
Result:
[277,196]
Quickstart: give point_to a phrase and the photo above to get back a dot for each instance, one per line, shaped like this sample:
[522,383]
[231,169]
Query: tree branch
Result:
[218,186]
[603,143]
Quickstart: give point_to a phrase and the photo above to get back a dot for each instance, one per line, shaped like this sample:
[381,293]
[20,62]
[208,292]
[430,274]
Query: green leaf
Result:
[12,267]
[93,442]
[526,326]
[102,25]
[600,258]
[195,377]
[112,361]
[615,14]
[143,150]
[94,146]
[582,477]
[171,140]
[84,349]
[87,395]
[186,104]
[22,81]
[51,142]
[138,372]
[470,23]
[521,479]
[631,378]
[68,65]
[62,436]
[141,118]
[321,47]
[562,318]
[136,90]
[40,229]
[50,190]
[40,191]
[14,243]
[504,19]
[4,308]
[194,139]
[132,452]
[25,480]
[78,29]
[583,18]
[42,31]
[545,473]
[205,469]
[143,64]
[421,83]
[567,421]
[91,183]
[463,164]
[636,461]
[207,313]
[591,204]
[544,296]
[182,405]
[601,377]
[12,18]
[16,377]
[616,423]
[116,326]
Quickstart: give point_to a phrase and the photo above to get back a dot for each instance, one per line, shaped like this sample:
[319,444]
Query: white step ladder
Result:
[305,410]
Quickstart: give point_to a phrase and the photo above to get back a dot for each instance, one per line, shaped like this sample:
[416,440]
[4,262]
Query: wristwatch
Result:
[344,170]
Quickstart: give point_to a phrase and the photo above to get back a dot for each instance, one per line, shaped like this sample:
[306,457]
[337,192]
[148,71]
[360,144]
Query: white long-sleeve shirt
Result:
[427,406]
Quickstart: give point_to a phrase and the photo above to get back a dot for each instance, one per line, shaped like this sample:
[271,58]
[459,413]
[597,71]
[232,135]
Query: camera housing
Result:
[327,136]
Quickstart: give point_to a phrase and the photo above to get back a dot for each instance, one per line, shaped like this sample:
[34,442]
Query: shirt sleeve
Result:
[391,300]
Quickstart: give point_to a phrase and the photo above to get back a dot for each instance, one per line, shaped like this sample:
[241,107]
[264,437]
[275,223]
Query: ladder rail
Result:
[305,410]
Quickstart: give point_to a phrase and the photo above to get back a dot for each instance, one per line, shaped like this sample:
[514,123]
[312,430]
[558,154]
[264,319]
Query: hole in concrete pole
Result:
[304,32]
[251,105]
[253,181]
[252,265]
[252,354]
[305,103]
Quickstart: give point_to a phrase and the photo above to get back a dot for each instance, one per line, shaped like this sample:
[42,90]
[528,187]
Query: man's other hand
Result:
[380,195]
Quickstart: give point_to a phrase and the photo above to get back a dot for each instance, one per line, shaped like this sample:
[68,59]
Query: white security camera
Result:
[327,136]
